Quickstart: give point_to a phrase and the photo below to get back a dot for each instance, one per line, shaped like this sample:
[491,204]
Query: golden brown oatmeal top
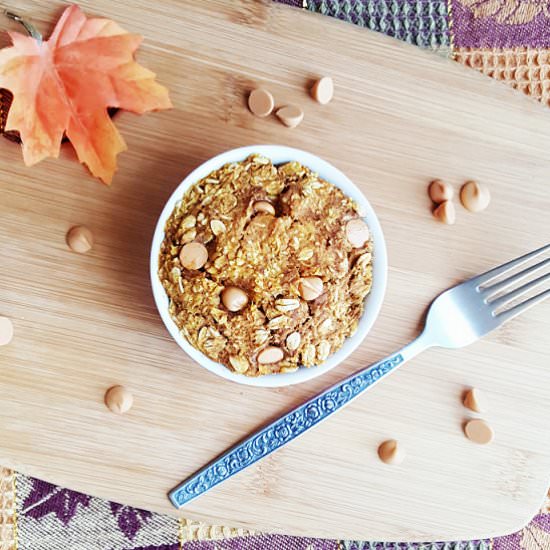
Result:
[263,269]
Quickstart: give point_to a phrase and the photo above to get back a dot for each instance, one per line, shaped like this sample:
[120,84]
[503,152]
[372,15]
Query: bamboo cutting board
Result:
[400,117]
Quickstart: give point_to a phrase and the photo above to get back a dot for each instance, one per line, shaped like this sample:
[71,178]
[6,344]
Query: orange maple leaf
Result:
[65,85]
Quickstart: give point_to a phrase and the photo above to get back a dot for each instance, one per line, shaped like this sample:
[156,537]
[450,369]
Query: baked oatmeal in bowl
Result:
[268,265]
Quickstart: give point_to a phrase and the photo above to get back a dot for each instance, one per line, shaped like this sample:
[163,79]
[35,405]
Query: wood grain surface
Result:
[400,117]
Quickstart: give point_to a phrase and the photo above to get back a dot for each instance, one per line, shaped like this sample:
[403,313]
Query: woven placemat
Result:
[35,515]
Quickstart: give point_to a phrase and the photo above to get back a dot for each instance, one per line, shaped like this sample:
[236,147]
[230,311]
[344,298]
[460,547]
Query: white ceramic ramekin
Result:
[278,155]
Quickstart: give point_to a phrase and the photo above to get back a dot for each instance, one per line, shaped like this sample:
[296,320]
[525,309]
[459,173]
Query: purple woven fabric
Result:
[264,542]
[52,518]
[501,23]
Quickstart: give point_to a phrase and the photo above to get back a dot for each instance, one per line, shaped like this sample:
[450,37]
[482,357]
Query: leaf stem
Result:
[28,27]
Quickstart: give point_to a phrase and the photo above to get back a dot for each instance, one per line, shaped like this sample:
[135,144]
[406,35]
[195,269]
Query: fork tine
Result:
[494,289]
[516,293]
[501,269]
[520,308]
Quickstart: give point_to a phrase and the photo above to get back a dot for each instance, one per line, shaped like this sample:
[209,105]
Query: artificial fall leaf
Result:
[65,85]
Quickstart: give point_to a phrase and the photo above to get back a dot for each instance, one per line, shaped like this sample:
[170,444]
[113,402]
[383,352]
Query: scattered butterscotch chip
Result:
[323,90]
[234,298]
[119,399]
[193,255]
[311,288]
[391,452]
[265,207]
[440,191]
[290,115]
[475,401]
[357,232]
[445,213]
[80,239]
[474,196]
[479,431]
[6,331]
[270,355]
[261,102]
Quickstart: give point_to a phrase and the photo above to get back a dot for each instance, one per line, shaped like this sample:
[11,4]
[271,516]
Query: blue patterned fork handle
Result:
[290,426]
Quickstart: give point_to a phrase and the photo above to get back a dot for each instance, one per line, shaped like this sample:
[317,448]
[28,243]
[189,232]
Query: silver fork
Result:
[457,317]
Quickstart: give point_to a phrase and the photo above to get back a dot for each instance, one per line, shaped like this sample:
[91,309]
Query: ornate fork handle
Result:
[287,428]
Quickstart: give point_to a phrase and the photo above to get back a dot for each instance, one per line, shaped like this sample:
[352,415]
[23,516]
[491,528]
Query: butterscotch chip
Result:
[475,401]
[260,102]
[193,255]
[80,239]
[270,355]
[479,431]
[290,115]
[445,213]
[234,298]
[265,207]
[119,399]
[391,452]
[311,288]
[6,331]
[474,196]
[439,191]
[357,232]
[323,90]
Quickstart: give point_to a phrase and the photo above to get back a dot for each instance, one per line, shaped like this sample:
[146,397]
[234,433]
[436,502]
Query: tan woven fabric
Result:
[8,535]
[526,69]
[195,530]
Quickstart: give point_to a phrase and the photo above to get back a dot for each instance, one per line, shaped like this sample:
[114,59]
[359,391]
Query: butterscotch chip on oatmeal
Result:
[357,232]
[233,298]
[193,255]
[280,285]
